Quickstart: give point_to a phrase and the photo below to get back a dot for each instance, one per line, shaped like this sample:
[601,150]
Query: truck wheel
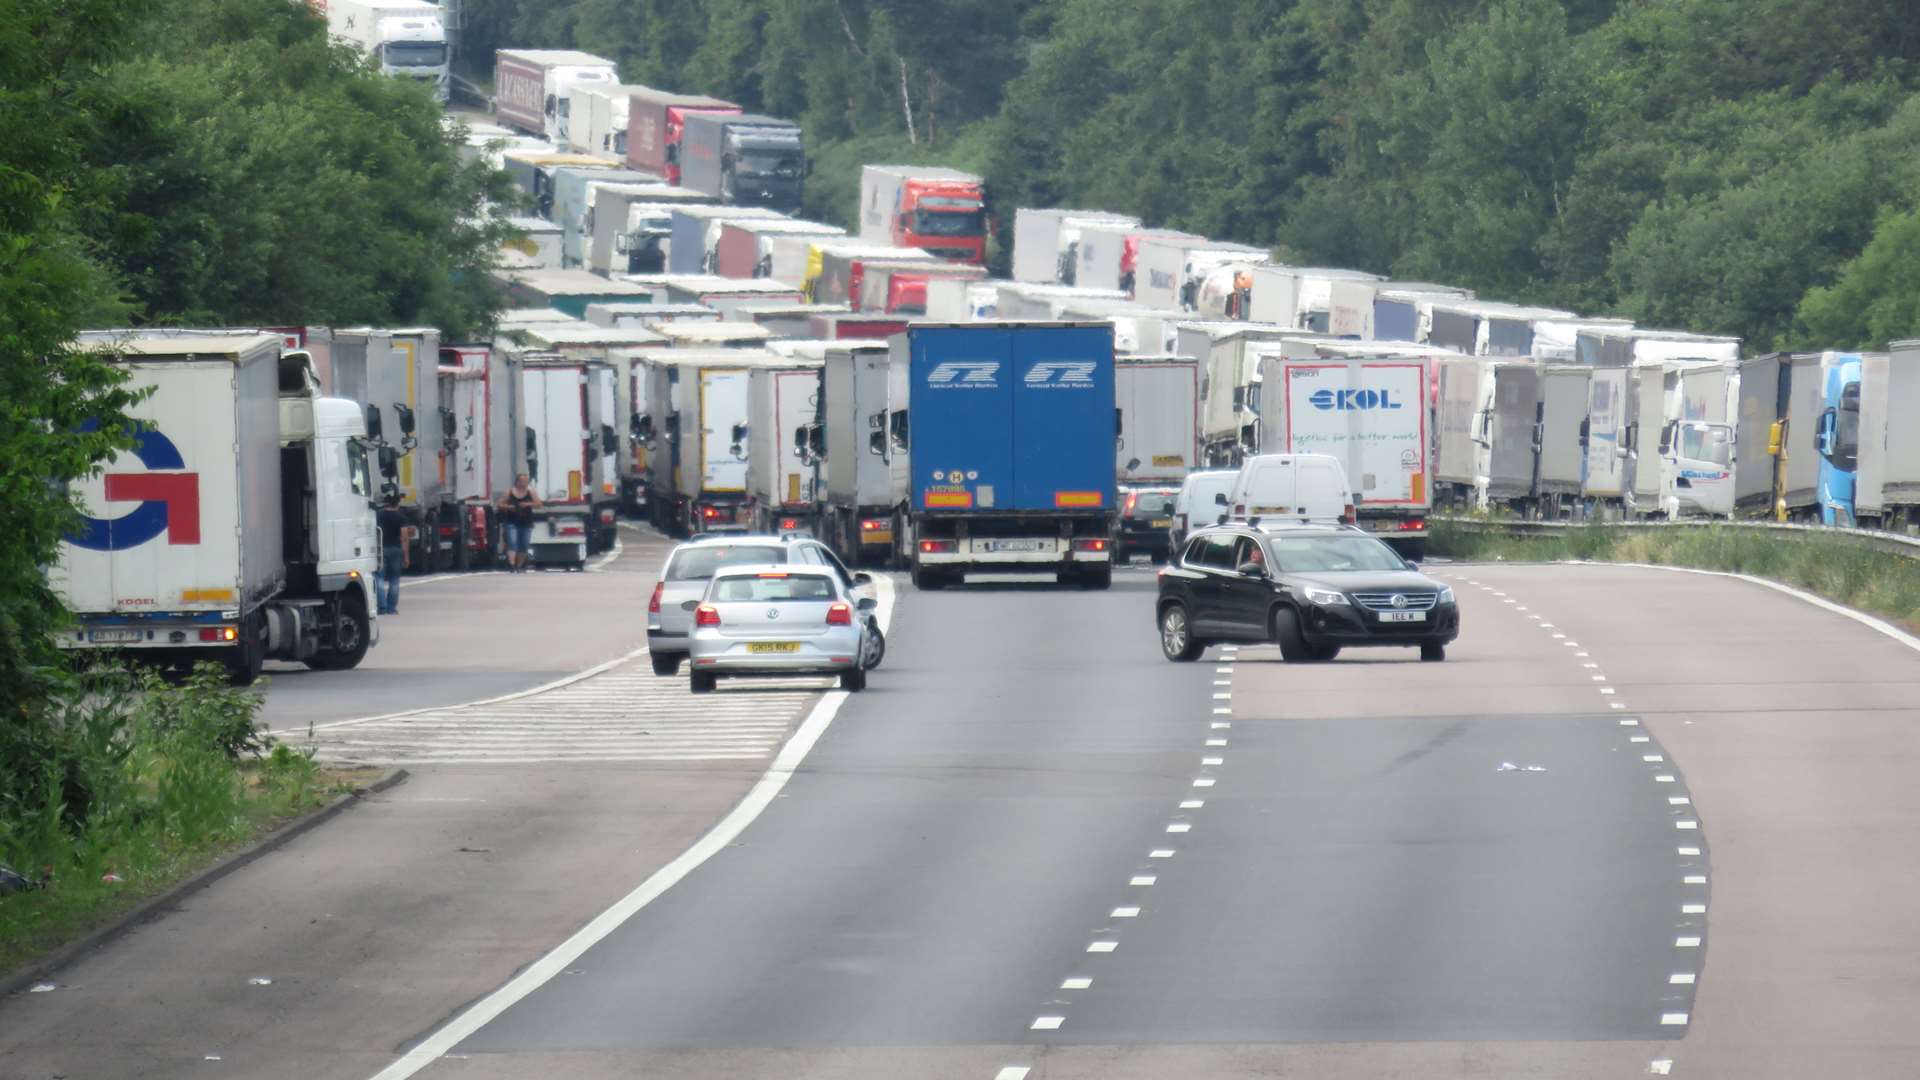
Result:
[1101,578]
[247,657]
[352,635]
[1413,550]
[1286,634]
[928,580]
[1176,635]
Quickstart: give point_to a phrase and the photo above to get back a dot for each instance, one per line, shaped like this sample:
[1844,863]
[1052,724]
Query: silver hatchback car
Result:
[778,619]
[683,583]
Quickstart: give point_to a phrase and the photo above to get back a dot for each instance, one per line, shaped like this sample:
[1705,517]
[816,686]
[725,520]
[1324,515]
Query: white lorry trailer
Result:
[697,482]
[533,88]
[1158,401]
[568,450]
[1371,414]
[396,371]
[1887,484]
[783,398]
[406,38]
[239,528]
[477,382]
[856,518]
[1041,252]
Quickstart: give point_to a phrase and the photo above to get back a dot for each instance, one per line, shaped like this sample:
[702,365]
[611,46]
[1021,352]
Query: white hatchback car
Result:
[775,620]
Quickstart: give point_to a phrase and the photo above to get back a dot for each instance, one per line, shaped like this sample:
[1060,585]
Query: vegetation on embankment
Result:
[1834,567]
[144,782]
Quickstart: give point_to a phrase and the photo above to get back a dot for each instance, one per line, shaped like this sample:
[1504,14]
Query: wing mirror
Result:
[863,578]
[406,418]
[1252,570]
[877,443]
[373,423]
[449,426]
[866,604]
[1220,498]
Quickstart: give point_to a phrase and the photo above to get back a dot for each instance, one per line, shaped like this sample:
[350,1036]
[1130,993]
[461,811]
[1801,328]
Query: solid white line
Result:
[716,840]
[431,578]
[1861,617]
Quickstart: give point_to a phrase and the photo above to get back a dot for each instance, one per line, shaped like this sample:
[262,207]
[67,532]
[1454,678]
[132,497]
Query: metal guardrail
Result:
[1891,543]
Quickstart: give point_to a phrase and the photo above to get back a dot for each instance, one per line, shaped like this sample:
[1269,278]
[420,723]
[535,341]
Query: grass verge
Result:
[147,783]
[1882,583]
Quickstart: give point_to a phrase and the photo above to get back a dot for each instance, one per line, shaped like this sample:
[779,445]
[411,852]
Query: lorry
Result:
[597,120]
[1488,416]
[1561,459]
[900,288]
[1887,483]
[1158,403]
[787,320]
[745,246]
[574,192]
[535,245]
[406,38]
[999,442]
[743,159]
[396,371]
[695,398]
[656,122]
[962,301]
[625,313]
[1169,270]
[1230,374]
[1335,302]
[567,291]
[1402,312]
[569,452]
[834,276]
[533,88]
[783,398]
[727,296]
[943,211]
[1101,255]
[478,382]
[841,326]
[1045,242]
[1370,414]
[1838,436]
[533,170]
[696,234]
[632,226]
[240,526]
[855,515]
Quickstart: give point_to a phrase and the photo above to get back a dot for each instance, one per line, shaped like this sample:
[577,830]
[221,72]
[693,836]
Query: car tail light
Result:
[710,512]
[840,615]
[938,545]
[653,605]
[1133,499]
[571,530]
[874,524]
[789,523]
[1348,516]
[1411,524]
[606,517]
[1090,544]
[706,615]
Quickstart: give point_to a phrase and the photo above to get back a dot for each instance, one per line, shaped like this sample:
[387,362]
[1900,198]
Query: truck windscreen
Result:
[949,222]
[416,54]
[784,166]
[1711,443]
[1846,434]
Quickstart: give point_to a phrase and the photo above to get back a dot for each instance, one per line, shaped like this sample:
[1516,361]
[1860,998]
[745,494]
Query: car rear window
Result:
[771,588]
[1152,504]
[699,563]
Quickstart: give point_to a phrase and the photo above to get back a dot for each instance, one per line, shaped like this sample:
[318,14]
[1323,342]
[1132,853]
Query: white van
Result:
[1293,487]
[1195,506]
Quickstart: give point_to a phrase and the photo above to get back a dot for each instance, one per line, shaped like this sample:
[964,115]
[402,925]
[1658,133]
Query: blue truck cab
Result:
[1838,438]
[1000,438]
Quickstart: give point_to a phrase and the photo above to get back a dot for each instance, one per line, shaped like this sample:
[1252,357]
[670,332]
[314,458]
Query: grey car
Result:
[778,619]
[683,583]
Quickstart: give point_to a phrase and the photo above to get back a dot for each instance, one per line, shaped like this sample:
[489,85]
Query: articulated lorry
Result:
[1157,399]
[855,518]
[695,399]
[396,371]
[744,160]
[656,123]
[533,88]
[999,439]
[783,398]
[239,528]
[1887,483]
[1046,242]
[407,38]
[477,383]
[569,449]
[943,211]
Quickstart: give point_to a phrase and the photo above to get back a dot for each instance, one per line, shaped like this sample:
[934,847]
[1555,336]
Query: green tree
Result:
[1877,297]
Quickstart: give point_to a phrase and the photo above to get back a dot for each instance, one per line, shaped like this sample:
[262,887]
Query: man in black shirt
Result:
[394,532]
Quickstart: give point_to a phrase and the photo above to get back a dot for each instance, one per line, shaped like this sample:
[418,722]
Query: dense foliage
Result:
[1737,166]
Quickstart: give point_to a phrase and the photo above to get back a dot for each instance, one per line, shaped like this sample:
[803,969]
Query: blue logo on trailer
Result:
[169,501]
[1352,400]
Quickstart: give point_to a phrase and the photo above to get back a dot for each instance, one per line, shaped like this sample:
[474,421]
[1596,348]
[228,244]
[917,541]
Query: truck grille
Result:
[1383,601]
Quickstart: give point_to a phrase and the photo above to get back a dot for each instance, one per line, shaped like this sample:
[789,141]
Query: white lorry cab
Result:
[1296,487]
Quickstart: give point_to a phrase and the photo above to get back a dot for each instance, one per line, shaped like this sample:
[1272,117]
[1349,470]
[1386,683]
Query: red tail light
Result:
[1411,524]
[710,512]
[653,605]
[1133,499]
[874,525]
[706,615]
[1348,516]
[938,545]
[1090,545]
[789,523]
[839,615]
[606,517]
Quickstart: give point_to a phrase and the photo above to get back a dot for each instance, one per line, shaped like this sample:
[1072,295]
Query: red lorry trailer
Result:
[655,119]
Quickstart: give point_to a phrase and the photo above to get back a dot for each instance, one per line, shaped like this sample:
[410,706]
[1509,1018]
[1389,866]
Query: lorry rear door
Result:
[1063,417]
[961,419]
[723,403]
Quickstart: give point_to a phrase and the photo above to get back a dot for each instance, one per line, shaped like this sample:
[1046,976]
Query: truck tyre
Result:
[1176,635]
[1286,634]
[1433,652]
[1412,550]
[352,635]
[249,655]
[928,580]
[700,682]
[1101,578]
[462,541]
[854,681]
[665,663]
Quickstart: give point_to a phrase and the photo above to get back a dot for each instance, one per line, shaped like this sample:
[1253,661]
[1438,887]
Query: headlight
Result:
[1446,595]
[1326,597]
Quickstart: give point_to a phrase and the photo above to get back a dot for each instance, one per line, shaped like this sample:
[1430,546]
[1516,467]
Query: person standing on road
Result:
[516,515]
[394,535]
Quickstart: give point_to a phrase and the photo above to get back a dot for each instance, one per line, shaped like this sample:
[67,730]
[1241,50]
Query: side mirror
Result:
[449,426]
[643,427]
[609,440]
[863,578]
[1252,570]
[1132,464]
[1219,498]
[800,440]
[389,462]
[817,439]
[877,443]
[739,433]
[866,603]
[406,418]
[373,423]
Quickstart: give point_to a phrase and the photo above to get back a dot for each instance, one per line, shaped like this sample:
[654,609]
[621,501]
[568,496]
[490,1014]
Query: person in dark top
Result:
[516,514]
[394,533]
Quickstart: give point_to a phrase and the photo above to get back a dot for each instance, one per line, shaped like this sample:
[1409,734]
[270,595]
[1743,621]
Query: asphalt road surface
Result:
[1640,822]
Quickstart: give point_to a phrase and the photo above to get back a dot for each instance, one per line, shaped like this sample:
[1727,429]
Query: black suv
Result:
[1311,589]
[1145,523]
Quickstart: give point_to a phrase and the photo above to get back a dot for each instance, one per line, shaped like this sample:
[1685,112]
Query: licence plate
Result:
[113,635]
[773,646]
[1014,545]
[1403,616]
[1163,523]
[877,536]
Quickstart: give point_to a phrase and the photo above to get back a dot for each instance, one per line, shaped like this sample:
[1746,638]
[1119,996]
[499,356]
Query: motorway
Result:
[1641,822]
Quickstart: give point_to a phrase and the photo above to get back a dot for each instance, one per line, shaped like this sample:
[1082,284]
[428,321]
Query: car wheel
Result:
[665,663]
[1433,651]
[876,647]
[854,680]
[700,682]
[1322,653]
[1176,635]
[1286,634]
